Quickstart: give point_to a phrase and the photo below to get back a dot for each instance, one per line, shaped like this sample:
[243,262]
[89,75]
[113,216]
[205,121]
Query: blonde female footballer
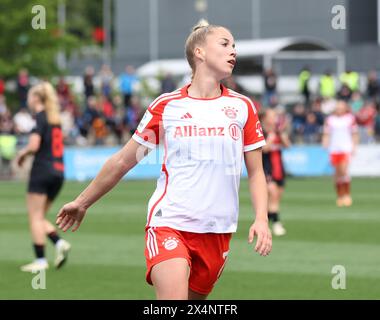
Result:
[46,177]
[206,131]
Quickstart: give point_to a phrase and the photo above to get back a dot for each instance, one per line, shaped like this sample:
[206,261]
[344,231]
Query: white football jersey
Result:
[204,141]
[340,129]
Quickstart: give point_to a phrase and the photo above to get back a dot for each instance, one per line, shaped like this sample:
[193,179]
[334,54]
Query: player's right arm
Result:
[146,138]
[110,174]
[355,135]
[326,135]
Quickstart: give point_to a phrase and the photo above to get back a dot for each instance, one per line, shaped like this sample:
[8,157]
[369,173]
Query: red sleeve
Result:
[253,133]
[150,129]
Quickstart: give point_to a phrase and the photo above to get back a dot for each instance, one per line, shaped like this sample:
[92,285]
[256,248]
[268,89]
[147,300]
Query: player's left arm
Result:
[259,196]
[285,139]
[31,148]
[355,136]
[355,141]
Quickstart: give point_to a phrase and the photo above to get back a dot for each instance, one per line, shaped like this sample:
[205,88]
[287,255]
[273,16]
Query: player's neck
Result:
[204,87]
[38,108]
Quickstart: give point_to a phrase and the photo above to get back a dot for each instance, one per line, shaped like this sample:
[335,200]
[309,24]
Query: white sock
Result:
[59,243]
[41,260]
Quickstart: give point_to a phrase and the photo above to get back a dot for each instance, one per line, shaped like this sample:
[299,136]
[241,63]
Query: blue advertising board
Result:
[84,163]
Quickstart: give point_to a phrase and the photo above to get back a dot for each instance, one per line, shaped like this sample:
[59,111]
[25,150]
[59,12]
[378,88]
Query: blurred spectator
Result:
[366,118]
[69,129]
[133,115]
[316,108]
[3,105]
[312,130]
[283,119]
[168,84]
[106,80]
[63,89]
[274,102]
[71,106]
[66,98]
[327,86]
[108,112]
[298,122]
[373,86]
[23,86]
[2,86]
[127,81]
[328,106]
[23,125]
[7,153]
[350,79]
[89,114]
[303,83]
[6,123]
[118,106]
[356,102]
[99,126]
[117,102]
[88,83]
[377,122]
[106,107]
[270,85]
[344,93]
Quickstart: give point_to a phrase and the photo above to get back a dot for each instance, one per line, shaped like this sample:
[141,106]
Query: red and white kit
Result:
[340,130]
[194,208]
[204,141]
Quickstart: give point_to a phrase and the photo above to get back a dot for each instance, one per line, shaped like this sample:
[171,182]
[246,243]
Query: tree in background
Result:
[21,46]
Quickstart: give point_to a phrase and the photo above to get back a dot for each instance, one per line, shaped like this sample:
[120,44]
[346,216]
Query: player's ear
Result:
[199,53]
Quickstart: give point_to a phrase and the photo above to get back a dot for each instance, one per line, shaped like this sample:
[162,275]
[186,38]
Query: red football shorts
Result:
[339,158]
[206,254]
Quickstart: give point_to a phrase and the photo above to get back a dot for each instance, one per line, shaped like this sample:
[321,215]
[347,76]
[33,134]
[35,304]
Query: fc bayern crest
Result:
[230,112]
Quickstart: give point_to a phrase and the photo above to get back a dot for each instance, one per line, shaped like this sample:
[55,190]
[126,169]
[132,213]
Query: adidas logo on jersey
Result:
[158,213]
[194,131]
[186,116]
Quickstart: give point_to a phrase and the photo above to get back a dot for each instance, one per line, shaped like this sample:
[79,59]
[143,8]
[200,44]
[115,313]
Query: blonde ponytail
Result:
[48,96]
[201,24]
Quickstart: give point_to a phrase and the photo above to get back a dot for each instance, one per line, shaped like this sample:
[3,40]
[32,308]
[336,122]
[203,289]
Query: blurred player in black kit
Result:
[47,174]
[276,138]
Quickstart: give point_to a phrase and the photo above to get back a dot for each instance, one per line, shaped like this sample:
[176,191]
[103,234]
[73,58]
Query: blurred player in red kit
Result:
[340,137]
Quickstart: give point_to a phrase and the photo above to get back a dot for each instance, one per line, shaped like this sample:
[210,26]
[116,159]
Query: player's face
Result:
[220,52]
[32,100]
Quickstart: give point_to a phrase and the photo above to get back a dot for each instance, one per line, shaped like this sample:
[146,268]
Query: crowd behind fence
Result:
[108,110]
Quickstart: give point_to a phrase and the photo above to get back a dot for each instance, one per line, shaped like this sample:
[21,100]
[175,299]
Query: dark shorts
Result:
[46,184]
[279,182]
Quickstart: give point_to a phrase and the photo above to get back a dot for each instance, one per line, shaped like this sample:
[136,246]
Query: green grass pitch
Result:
[107,257]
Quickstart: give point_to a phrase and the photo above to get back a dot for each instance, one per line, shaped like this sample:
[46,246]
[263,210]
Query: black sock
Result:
[273,216]
[39,250]
[54,237]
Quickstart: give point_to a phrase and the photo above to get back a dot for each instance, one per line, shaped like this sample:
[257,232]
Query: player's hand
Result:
[21,156]
[261,229]
[70,214]
[271,138]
